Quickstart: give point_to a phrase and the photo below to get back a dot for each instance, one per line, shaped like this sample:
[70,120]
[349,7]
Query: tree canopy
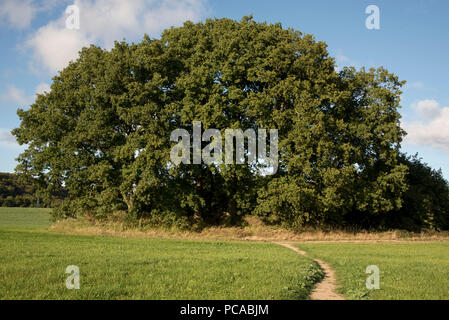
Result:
[103,130]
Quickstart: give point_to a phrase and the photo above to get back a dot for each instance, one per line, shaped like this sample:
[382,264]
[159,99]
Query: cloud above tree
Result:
[433,127]
[102,22]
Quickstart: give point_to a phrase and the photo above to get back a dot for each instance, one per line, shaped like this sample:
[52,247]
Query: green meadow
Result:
[33,262]
[407,270]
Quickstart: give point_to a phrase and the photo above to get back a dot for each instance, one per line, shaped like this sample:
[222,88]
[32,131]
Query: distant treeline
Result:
[18,192]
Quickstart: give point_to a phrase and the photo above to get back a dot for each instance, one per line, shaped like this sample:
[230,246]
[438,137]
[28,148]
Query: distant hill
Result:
[14,193]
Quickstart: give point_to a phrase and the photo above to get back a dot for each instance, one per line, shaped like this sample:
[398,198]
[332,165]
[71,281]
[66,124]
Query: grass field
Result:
[33,263]
[29,218]
[408,270]
[33,260]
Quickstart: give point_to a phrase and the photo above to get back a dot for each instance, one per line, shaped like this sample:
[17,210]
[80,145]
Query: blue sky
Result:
[412,42]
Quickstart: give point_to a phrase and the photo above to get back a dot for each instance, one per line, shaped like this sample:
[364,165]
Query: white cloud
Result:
[15,95]
[340,58]
[18,13]
[343,61]
[432,129]
[103,21]
[54,46]
[7,140]
[415,85]
[428,109]
[42,87]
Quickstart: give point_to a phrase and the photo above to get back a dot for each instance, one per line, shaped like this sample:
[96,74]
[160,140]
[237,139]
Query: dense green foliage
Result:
[33,264]
[103,130]
[426,201]
[18,192]
[15,194]
[408,270]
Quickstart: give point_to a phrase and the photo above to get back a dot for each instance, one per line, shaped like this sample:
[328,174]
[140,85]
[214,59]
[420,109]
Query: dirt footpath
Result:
[325,290]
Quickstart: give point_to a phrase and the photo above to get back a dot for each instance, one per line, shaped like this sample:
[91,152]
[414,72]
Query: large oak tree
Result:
[103,130]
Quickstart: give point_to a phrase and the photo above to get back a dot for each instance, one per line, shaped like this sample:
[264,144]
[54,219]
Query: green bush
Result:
[426,201]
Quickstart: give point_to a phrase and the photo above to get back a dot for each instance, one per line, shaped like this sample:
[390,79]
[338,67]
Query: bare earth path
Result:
[325,290]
